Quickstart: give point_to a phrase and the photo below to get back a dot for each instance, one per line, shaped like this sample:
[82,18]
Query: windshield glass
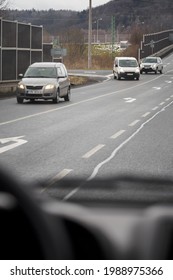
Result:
[150,60]
[86,129]
[41,72]
[95,120]
[127,63]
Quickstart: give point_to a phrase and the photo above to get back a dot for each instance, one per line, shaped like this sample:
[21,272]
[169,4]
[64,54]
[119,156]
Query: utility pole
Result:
[98,29]
[113,32]
[89,34]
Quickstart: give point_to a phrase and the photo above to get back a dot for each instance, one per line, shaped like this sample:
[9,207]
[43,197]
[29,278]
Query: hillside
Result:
[152,14]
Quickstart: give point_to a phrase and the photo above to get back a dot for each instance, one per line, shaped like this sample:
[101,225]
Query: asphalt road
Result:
[109,128]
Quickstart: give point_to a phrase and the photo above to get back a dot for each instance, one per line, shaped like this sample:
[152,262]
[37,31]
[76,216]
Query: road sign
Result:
[58,52]
[152,44]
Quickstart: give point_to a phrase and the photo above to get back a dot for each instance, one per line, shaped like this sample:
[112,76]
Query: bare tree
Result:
[4,5]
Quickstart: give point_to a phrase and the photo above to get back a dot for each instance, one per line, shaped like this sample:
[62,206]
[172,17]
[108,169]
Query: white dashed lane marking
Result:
[58,177]
[134,123]
[155,108]
[117,134]
[93,151]
[146,114]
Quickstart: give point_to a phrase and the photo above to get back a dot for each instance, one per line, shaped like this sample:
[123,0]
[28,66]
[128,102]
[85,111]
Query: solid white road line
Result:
[116,150]
[113,154]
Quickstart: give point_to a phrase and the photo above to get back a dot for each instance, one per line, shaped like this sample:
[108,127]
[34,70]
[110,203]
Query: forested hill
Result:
[154,14]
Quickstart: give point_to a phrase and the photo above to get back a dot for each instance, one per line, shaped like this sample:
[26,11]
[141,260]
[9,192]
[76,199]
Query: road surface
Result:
[109,128]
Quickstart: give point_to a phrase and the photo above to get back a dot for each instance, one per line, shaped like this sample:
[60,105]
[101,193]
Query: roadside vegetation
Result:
[102,54]
[101,58]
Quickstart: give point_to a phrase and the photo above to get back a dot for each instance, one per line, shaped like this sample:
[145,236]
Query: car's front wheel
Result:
[68,95]
[19,100]
[118,77]
[56,98]
[114,76]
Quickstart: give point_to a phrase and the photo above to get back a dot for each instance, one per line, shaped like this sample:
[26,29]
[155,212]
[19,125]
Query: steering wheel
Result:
[27,230]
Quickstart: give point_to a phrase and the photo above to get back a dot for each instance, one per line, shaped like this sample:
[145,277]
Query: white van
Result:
[126,67]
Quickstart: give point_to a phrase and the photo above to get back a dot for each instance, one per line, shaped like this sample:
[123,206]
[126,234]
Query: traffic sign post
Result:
[152,45]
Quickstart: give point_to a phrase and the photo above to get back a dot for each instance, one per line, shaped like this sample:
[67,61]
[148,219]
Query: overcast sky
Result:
[76,5]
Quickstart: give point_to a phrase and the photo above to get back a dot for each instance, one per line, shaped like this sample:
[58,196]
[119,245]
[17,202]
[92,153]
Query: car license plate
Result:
[130,74]
[34,92]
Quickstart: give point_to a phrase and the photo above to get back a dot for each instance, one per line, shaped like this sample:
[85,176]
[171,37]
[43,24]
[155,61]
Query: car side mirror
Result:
[59,76]
[20,76]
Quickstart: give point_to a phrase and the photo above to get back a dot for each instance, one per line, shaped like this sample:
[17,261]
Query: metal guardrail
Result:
[156,43]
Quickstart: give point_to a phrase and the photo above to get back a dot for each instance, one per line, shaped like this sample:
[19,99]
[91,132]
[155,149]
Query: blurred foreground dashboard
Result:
[118,218]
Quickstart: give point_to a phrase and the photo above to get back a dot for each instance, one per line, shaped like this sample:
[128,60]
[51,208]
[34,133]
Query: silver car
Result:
[151,64]
[44,80]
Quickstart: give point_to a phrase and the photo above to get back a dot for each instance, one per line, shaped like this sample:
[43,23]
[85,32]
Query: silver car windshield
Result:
[41,72]
[150,60]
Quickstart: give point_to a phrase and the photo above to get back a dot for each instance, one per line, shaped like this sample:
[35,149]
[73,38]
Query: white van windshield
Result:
[127,63]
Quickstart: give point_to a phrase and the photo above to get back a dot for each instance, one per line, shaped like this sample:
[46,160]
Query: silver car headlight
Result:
[154,66]
[21,86]
[48,87]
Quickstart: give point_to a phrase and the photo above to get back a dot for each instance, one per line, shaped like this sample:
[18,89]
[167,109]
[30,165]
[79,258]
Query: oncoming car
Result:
[126,67]
[151,64]
[44,80]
